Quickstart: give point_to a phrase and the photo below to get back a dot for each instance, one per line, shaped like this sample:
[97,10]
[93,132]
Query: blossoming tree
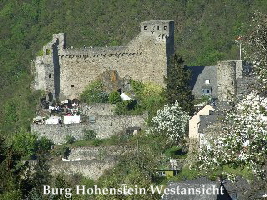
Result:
[256,48]
[172,121]
[242,140]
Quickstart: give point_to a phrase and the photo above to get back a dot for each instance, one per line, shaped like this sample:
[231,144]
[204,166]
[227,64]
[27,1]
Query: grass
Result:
[187,174]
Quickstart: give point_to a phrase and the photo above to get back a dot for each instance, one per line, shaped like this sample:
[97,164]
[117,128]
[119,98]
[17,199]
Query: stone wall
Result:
[97,153]
[104,126]
[226,80]
[92,169]
[98,109]
[145,62]
[145,58]
[89,161]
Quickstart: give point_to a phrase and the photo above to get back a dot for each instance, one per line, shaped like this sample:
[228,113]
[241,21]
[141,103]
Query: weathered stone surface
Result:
[98,109]
[89,161]
[89,168]
[104,127]
[97,153]
[226,79]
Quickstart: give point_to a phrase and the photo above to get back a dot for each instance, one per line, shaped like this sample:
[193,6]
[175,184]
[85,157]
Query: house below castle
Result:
[225,81]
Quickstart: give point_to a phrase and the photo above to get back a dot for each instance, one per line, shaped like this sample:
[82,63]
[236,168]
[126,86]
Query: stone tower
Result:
[162,31]
[226,80]
[65,72]
[46,66]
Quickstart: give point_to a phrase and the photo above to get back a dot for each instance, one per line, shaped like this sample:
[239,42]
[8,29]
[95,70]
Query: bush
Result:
[114,97]
[127,108]
[89,134]
[43,144]
[94,93]
[25,143]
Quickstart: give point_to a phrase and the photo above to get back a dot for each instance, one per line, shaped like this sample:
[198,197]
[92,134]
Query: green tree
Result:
[177,82]
[25,143]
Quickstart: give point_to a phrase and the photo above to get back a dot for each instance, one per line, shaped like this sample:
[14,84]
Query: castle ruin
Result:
[65,72]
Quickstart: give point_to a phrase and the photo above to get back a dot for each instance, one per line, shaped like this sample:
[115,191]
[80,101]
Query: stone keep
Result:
[65,72]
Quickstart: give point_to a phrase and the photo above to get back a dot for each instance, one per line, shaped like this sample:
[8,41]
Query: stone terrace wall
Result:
[97,109]
[89,161]
[90,168]
[104,126]
[97,153]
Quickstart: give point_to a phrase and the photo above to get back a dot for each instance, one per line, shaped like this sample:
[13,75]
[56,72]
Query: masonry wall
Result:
[92,169]
[105,126]
[145,61]
[97,153]
[98,109]
[89,161]
[226,80]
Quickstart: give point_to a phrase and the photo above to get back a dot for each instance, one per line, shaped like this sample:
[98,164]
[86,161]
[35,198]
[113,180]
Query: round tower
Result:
[226,80]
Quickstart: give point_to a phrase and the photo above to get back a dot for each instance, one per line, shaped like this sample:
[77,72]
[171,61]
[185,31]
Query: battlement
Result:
[94,52]
[158,28]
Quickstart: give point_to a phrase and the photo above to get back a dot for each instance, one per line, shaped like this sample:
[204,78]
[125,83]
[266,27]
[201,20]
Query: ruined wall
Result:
[92,169]
[226,80]
[46,67]
[104,126]
[145,58]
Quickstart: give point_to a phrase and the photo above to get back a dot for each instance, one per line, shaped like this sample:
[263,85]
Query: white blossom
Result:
[242,141]
[171,120]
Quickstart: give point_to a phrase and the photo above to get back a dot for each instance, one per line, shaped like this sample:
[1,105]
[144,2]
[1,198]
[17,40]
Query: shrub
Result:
[89,134]
[97,142]
[94,93]
[126,107]
[114,97]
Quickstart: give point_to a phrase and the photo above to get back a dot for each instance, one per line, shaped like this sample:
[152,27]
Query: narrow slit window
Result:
[50,75]
[145,27]
[157,27]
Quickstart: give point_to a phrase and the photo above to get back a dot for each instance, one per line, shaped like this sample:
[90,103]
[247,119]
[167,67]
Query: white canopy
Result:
[125,97]
[72,119]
